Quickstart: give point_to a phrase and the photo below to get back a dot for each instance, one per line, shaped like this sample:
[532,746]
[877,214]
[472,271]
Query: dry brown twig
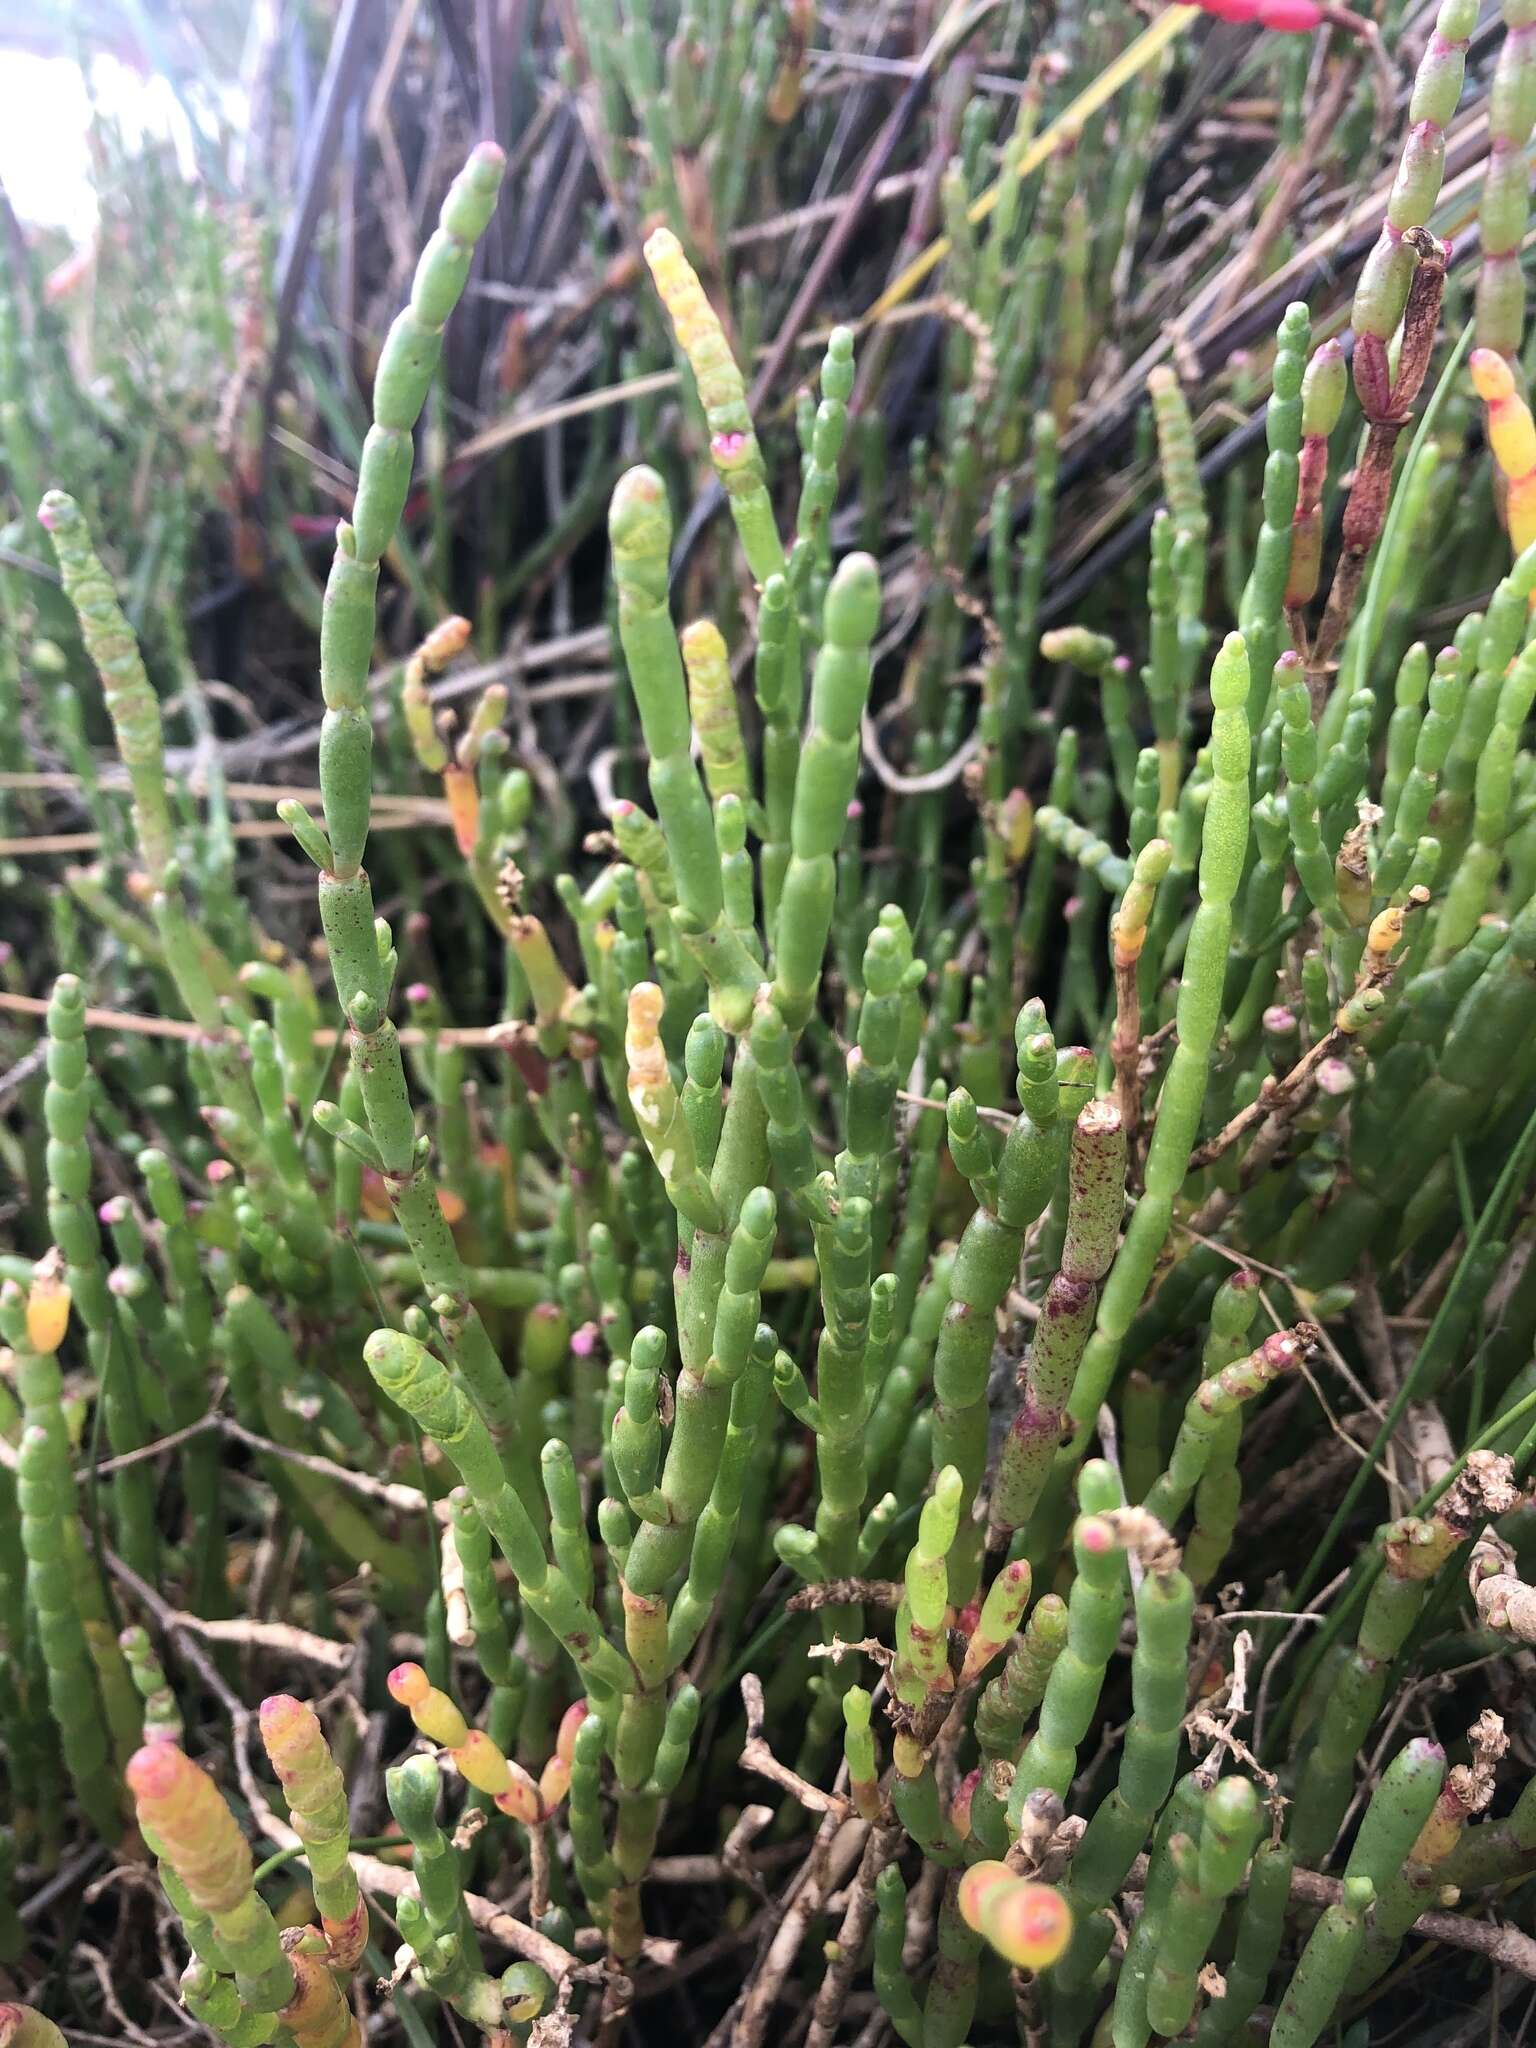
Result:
[846,1593]
[1277,1101]
[392,1493]
[282,1638]
[1218,1724]
[858,1917]
[757,1756]
[835,1850]
[484,1036]
[863,1646]
[1507,1946]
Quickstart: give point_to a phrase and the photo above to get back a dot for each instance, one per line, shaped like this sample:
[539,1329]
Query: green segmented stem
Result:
[1033,560]
[950,2005]
[1000,235]
[195,964]
[1344,766]
[776,685]
[45,1497]
[317,1808]
[1409,1889]
[1399,1807]
[1218,1498]
[162,1716]
[215,2002]
[639,1817]
[194,1302]
[890,1416]
[1096,1161]
[33,1323]
[843,1402]
[922,1657]
[1398,1819]
[643,843]
[493,1642]
[1303,811]
[1415,1551]
[1143,1402]
[130,698]
[409,1374]
[1261,610]
[1094,1610]
[712,707]
[1495,647]
[640,533]
[818,486]
[407,365]
[1095,655]
[1260,1932]
[971,1146]
[992,1245]
[1205,1879]
[1323,1969]
[1218,1493]
[664,1128]
[438,1930]
[1078,844]
[362,960]
[893,1985]
[1446,691]
[1071,338]
[1403,727]
[1160,676]
[1382,291]
[859,1753]
[1023,324]
[1324,387]
[596,1871]
[1502,214]
[1262,903]
[1130,2026]
[188,1824]
[1008,1700]
[1223,848]
[740,1165]
[374,1047]
[1148,1758]
[824,785]
[733,445]
[265,1370]
[1142,825]
[1475,874]
[873,1065]
[1040,879]
[737,879]
[72,1223]
[1213,1401]
[715,1531]
[567,1520]
[1186,504]
[703,1404]
[636,1434]
[303,1223]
